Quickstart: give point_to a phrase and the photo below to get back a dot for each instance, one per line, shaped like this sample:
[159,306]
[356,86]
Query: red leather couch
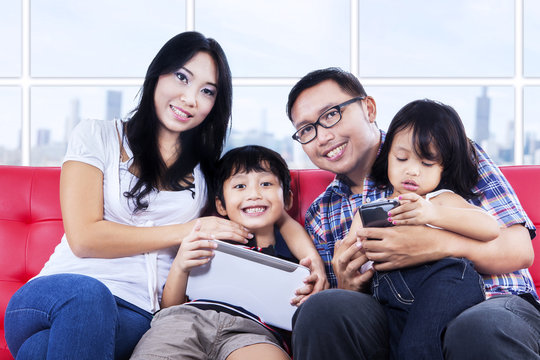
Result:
[31,221]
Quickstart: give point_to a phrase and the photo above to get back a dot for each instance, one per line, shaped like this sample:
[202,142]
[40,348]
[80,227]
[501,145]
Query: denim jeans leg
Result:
[340,324]
[133,322]
[64,316]
[502,327]
[450,286]
[395,295]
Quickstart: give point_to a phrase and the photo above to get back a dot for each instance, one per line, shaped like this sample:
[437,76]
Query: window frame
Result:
[518,81]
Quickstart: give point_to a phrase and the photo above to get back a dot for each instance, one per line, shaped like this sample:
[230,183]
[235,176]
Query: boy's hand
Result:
[414,210]
[315,282]
[196,249]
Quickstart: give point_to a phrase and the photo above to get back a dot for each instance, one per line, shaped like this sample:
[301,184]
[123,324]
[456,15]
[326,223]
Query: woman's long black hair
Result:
[434,123]
[201,145]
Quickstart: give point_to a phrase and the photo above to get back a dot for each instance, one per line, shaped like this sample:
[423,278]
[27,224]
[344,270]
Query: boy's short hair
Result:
[252,158]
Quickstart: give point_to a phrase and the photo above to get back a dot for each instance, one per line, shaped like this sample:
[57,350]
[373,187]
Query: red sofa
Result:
[31,221]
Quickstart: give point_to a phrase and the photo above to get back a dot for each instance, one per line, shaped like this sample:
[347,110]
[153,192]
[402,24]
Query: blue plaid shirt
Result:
[330,216]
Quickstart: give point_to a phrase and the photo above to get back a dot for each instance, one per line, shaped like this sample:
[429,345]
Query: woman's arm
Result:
[195,250]
[81,199]
[448,211]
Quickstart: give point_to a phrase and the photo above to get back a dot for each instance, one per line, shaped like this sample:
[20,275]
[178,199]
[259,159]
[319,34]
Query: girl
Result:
[428,163]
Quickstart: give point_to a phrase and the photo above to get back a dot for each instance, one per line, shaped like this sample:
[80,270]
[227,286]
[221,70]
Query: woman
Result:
[129,192]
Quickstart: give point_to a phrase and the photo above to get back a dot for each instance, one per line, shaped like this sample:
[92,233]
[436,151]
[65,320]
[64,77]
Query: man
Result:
[335,121]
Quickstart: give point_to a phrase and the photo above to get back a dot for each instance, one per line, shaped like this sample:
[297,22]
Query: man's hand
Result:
[401,246]
[347,260]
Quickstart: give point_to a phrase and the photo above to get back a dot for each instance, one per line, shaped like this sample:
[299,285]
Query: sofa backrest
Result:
[31,220]
[30,228]
[524,179]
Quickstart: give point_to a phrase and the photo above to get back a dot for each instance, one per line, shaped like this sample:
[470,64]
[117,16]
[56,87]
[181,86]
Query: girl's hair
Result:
[438,124]
[252,158]
[201,145]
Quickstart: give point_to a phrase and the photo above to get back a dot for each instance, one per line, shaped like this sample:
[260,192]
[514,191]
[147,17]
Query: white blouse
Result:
[138,279]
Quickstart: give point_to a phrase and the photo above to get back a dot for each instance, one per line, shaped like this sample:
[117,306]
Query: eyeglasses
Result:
[328,119]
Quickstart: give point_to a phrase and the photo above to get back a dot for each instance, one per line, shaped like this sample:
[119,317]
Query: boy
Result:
[253,189]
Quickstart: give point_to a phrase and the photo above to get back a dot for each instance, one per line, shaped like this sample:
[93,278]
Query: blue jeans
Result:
[340,324]
[69,316]
[420,302]
[502,327]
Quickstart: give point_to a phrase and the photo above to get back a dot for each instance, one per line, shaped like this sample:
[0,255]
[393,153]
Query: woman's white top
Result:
[138,279]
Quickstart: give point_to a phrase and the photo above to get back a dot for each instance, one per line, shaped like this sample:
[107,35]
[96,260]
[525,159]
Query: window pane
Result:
[100,38]
[278,37]
[435,38]
[489,108]
[10,123]
[532,125]
[259,118]
[531,34]
[56,110]
[10,38]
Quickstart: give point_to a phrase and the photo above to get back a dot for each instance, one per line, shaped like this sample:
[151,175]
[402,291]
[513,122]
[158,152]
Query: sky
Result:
[279,38]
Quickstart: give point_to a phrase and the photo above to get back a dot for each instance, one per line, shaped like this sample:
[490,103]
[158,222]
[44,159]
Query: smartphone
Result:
[375,214]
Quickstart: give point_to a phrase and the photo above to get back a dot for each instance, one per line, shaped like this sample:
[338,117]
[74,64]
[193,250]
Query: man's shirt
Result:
[330,216]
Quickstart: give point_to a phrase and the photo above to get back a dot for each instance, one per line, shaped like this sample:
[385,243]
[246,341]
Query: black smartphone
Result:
[375,214]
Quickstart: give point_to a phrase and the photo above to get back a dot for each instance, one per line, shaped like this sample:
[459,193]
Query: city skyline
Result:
[49,151]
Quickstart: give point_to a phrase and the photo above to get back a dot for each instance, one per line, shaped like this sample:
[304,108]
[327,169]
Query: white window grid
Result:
[25,82]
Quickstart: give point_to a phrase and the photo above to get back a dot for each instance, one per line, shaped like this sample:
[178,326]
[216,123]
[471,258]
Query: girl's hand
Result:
[414,210]
[224,229]
[196,249]
[315,282]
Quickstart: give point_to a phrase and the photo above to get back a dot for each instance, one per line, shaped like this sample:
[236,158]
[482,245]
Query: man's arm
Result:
[403,246]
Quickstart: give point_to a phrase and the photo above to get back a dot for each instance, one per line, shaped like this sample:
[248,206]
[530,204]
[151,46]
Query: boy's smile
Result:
[254,200]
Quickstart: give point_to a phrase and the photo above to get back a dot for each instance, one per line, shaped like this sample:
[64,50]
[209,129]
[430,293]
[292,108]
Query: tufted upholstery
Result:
[31,221]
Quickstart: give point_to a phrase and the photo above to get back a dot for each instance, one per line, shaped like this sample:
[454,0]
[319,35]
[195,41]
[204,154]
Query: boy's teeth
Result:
[254,210]
[335,151]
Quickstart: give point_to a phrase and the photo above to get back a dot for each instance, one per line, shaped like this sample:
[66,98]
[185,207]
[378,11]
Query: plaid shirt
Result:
[330,216]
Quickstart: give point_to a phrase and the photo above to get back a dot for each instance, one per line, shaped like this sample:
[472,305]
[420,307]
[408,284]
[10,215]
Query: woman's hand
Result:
[223,229]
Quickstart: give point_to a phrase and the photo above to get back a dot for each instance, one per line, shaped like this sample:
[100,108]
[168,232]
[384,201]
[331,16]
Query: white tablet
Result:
[260,283]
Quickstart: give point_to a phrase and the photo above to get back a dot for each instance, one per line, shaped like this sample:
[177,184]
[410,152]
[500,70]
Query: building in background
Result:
[114,105]
[481,133]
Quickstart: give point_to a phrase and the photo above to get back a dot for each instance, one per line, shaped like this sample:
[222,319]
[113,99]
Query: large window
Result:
[65,60]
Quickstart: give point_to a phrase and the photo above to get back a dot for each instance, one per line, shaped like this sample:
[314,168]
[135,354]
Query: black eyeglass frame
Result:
[318,122]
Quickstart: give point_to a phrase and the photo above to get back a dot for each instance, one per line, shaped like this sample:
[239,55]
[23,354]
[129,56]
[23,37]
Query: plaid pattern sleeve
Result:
[328,220]
[498,198]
